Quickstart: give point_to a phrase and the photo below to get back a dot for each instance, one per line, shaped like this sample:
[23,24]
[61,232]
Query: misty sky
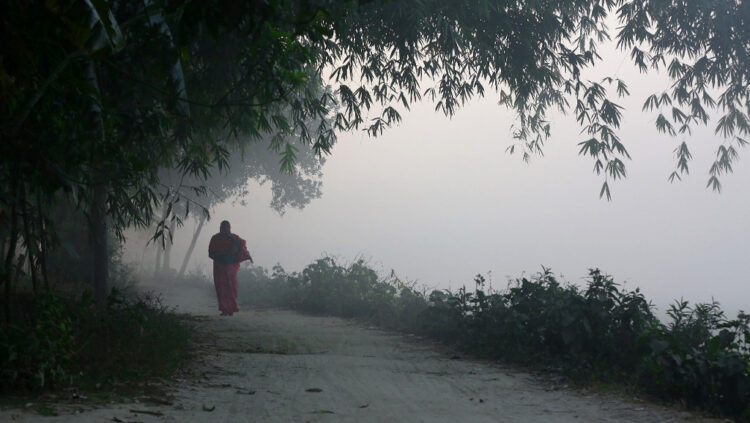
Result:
[439,200]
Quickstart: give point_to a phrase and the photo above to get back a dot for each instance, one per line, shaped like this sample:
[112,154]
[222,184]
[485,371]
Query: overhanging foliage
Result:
[99,95]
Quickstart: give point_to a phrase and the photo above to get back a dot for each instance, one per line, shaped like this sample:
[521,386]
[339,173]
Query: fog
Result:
[439,200]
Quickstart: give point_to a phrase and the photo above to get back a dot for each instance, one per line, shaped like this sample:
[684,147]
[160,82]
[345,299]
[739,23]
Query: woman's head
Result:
[224,227]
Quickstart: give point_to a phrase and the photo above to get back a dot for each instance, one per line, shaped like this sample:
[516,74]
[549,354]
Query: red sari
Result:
[227,251]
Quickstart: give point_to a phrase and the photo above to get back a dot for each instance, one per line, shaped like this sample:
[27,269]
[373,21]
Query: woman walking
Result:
[227,250]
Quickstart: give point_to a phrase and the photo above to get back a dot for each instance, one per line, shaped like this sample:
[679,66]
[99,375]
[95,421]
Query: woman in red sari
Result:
[227,250]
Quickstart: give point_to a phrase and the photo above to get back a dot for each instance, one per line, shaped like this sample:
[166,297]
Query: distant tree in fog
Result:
[255,162]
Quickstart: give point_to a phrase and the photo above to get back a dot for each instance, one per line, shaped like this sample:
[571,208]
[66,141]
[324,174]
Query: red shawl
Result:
[228,249]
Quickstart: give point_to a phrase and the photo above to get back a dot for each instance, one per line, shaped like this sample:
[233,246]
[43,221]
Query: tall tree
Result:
[98,96]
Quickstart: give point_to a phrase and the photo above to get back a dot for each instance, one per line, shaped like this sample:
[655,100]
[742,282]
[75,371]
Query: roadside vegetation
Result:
[698,357]
[57,342]
[55,336]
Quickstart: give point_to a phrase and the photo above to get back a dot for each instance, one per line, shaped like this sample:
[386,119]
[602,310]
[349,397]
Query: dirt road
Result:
[280,366]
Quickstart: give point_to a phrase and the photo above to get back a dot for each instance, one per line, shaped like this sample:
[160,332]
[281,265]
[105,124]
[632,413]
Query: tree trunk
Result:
[2,252]
[192,244]
[42,242]
[98,185]
[160,246]
[7,268]
[168,249]
[98,232]
[157,266]
[29,240]
[19,267]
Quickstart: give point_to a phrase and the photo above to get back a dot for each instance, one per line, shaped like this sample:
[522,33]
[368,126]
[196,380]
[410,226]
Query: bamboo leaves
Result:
[706,45]
[104,29]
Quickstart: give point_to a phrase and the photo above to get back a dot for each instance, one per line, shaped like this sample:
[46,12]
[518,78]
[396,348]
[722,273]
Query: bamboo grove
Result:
[100,96]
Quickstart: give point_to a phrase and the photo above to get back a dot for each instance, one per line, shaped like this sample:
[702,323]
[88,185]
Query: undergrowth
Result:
[54,342]
[135,337]
[600,332]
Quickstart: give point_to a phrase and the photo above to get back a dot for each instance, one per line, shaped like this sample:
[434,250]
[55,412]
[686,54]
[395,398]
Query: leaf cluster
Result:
[58,341]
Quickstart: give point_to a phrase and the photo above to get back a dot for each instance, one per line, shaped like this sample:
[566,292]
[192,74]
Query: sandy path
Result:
[279,366]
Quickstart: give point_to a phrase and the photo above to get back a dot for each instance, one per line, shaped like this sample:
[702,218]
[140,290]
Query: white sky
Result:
[439,200]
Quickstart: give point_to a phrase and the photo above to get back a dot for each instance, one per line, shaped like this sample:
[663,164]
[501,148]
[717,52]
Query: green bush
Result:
[701,358]
[53,343]
[599,331]
[37,349]
[541,319]
[136,329]
[325,287]
[258,288]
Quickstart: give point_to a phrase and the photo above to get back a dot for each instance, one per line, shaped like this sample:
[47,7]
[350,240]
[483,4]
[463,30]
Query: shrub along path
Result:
[269,365]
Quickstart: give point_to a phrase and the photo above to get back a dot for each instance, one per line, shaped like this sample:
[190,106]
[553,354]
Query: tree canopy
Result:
[99,95]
